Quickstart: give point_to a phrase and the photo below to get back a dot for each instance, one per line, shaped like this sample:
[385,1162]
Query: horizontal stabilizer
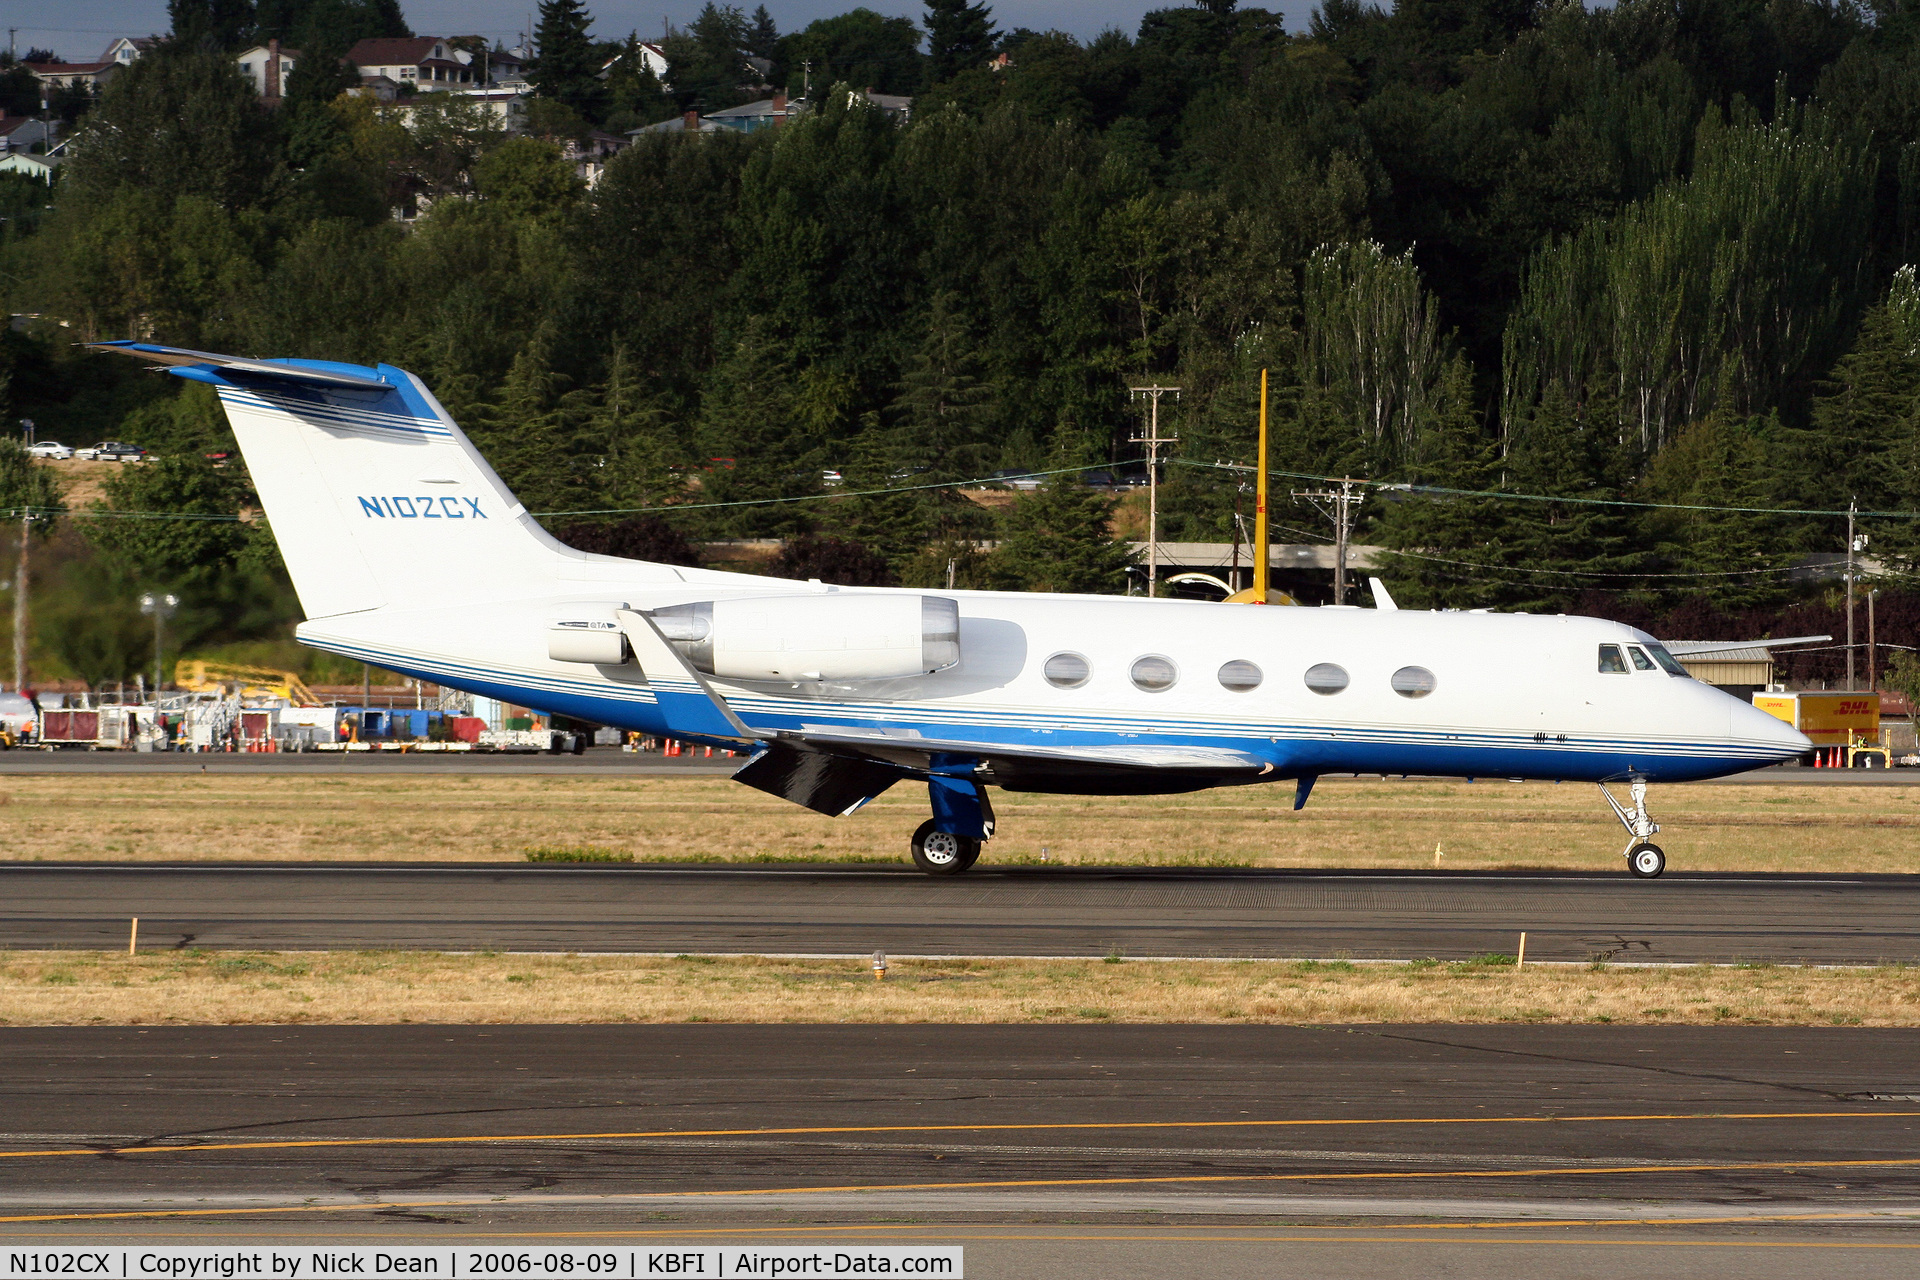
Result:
[309,371]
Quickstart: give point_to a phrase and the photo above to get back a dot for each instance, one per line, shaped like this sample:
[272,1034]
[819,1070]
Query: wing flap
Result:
[914,752]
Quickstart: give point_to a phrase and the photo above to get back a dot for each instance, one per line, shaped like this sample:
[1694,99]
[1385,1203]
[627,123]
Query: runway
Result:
[1681,918]
[1134,1151]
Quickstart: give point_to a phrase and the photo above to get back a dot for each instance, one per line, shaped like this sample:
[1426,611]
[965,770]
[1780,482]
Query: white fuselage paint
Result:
[1514,695]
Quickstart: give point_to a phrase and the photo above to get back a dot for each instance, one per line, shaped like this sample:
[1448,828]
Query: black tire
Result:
[941,853]
[1646,861]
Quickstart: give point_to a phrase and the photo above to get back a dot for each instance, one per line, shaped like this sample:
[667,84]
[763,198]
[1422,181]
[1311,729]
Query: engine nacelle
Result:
[837,636]
[583,638]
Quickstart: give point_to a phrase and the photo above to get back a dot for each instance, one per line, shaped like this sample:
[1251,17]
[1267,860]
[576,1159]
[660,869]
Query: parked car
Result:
[1014,478]
[112,451]
[1098,479]
[831,478]
[50,449]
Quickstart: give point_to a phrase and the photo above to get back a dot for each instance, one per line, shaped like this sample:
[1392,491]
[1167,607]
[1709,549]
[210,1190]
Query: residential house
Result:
[268,66]
[92,76]
[507,104]
[652,55]
[24,133]
[127,49]
[503,66]
[424,62]
[768,113]
[589,155]
[688,123]
[899,109]
[38,167]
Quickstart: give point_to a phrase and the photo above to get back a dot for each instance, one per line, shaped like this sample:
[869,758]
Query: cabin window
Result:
[1154,673]
[1240,676]
[1641,662]
[1610,660]
[1067,670]
[1668,663]
[1326,678]
[1414,682]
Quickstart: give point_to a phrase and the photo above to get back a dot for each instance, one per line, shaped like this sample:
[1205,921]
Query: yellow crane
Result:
[196,675]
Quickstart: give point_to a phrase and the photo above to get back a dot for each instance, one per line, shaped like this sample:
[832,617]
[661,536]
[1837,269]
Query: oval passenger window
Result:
[1154,673]
[1240,676]
[1413,682]
[1066,670]
[1326,678]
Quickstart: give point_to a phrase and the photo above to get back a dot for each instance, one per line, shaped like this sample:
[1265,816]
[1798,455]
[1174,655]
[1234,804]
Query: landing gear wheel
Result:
[1646,861]
[941,853]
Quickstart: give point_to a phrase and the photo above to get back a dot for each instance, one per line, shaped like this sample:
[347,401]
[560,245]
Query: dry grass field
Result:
[1350,823]
[77,988]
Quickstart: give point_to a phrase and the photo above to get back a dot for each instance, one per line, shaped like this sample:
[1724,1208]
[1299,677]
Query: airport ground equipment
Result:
[409,553]
[200,676]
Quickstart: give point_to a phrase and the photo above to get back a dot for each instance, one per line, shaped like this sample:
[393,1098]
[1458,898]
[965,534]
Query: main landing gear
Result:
[1645,859]
[949,842]
[942,853]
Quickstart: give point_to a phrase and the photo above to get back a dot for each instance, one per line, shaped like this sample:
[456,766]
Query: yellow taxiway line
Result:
[456,1139]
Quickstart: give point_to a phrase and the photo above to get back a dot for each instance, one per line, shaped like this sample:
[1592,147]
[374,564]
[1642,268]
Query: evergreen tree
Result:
[762,37]
[960,37]
[756,439]
[1720,462]
[1564,546]
[704,64]
[1057,539]
[635,97]
[944,405]
[1451,550]
[530,433]
[566,66]
[213,26]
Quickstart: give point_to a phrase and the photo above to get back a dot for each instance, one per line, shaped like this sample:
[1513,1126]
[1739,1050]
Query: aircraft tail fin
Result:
[374,494]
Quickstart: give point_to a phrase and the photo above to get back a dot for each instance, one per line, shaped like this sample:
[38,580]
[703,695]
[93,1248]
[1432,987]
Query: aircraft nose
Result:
[1747,723]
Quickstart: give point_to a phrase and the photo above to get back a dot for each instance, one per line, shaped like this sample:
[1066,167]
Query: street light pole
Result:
[20,618]
[161,607]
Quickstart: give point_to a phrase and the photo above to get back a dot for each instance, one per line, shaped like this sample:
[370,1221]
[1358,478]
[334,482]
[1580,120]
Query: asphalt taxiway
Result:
[1681,918]
[1112,1151]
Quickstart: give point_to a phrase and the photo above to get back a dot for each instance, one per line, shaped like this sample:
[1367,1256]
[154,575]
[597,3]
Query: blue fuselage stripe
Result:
[1487,755]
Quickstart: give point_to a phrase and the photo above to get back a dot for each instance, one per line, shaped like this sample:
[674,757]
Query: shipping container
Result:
[1830,719]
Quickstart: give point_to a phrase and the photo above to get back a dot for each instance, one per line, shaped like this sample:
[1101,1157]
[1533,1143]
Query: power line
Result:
[1543,497]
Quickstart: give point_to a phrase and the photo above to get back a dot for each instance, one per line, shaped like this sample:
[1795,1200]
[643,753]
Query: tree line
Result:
[1647,265]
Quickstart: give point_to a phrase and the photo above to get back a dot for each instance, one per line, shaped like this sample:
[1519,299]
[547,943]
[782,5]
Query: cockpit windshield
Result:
[1668,663]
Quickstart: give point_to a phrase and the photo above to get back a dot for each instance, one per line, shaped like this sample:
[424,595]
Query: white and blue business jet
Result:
[408,552]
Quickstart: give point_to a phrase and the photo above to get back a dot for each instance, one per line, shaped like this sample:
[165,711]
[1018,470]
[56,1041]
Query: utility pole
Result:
[20,607]
[1338,505]
[1853,507]
[161,607]
[1153,440]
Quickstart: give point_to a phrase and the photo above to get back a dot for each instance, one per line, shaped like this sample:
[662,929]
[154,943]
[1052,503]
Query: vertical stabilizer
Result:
[375,496]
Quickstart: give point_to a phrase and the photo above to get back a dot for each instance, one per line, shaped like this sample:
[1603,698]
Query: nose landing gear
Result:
[1645,859]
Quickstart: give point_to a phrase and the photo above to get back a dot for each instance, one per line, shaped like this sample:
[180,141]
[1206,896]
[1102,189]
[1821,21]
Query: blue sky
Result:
[85,26]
